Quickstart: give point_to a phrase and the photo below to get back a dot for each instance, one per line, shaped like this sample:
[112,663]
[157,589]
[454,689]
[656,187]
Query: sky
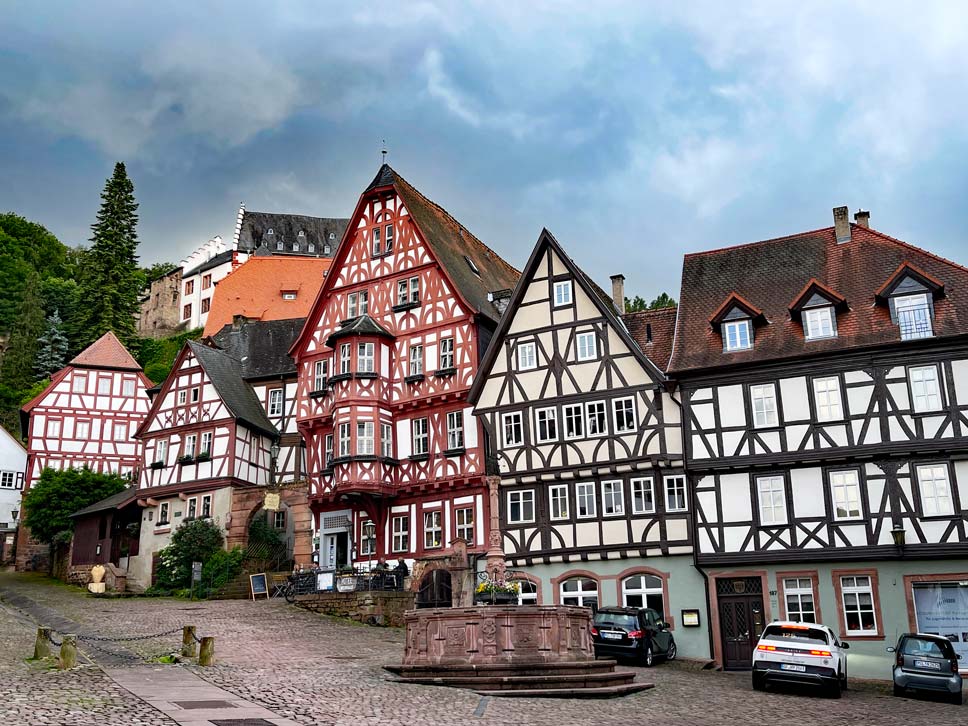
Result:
[634,131]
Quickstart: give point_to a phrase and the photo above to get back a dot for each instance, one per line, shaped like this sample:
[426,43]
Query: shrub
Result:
[221,568]
[197,540]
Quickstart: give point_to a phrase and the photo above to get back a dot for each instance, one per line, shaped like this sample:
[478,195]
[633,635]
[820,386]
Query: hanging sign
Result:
[271,502]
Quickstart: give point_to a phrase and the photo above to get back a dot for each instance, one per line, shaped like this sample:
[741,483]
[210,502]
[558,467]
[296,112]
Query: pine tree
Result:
[52,351]
[108,289]
[17,372]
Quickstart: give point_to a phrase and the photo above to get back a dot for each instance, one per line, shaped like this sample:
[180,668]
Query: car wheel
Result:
[957,698]
[758,683]
[898,691]
[647,657]
[835,691]
[672,652]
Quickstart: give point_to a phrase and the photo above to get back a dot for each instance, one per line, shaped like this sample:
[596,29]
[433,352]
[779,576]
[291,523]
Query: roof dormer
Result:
[816,308]
[735,321]
[910,294]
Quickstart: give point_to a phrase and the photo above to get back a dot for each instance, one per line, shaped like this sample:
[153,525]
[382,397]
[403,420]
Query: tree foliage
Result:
[157,355]
[56,495]
[24,247]
[196,540]
[52,348]
[638,303]
[17,370]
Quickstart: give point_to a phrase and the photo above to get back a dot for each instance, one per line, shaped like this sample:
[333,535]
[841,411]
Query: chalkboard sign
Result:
[259,585]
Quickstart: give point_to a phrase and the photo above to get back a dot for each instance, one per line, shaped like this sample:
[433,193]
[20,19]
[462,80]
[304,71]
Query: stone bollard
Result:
[188,641]
[68,652]
[206,654]
[42,644]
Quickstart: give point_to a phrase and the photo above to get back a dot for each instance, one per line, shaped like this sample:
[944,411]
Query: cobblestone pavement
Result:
[318,670]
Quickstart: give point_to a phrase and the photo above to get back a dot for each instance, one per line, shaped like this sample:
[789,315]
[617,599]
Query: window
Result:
[826,395]
[311,247]
[161,451]
[53,428]
[613,499]
[935,490]
[558,499]
[187,312]
[389,237]
[764,405]
[190,442]
[675,487]
[196,392]
[624,414]
[585,497]
[472,265]
[527,356]
[358,303]
[162,514]
[206,449]
[772,498]
[320,369]
[377,243]
[127,387]
[344,440]
[819,323]
[285,296]
[587,346]
[643,591]
[364,438]
[562,293]
[925,391]
[579,591]
[737,335]
[120,431]
[455,430]
[845,494]
[597,420]
[275,402]
[465,523]
[798,596]
[8,481]
[420,436]
[402,294]
[367,538]
[364,358]
[416,360]
[546,424]
[295,247]
[527,592]
[400,529]
[207,304]
[913,316]
[182,397]
[643,496]
[192,510]
[328,450]
[79,384]
[207,505]
[574,421]
[344,358]
[386,441]
[446,354]
[189,287]
[280,245]
[82,430]
[432,530]
[104,385]
[521,506]
[858,599]
[513,429]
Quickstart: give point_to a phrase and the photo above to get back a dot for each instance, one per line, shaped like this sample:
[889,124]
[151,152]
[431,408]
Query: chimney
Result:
[862,218]
[841,225]
[618,292]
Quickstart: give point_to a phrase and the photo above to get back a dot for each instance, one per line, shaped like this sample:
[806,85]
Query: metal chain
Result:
[50,638]
[129,638]
[197,639]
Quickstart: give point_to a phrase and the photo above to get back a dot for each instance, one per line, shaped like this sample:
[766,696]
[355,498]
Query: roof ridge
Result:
[744,245]
[910,246]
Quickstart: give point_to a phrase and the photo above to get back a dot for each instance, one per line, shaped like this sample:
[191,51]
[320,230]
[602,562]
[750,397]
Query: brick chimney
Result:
[841,225]
[862,218]
[618,292]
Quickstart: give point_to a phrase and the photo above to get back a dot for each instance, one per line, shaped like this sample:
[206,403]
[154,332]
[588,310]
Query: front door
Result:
[335,550]
[740,619]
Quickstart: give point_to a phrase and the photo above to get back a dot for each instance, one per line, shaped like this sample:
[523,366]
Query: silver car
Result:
[925,662]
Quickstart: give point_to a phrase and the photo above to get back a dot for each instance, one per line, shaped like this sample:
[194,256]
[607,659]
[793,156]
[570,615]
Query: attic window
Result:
[270,232]
[312,247]
[327,249]
[280,245]
[295,247]
[737,335]
[289,295]
[819,322]
[332,235]
[302,233]
[913,314]
[470,263]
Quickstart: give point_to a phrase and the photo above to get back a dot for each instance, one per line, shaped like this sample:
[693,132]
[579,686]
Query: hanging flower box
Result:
[496,592]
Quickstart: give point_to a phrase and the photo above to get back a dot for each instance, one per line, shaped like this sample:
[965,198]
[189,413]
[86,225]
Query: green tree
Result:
[638,303]
[25,246]
[196,540]
[110,281]
[50,502]
[17,370]
[52,350]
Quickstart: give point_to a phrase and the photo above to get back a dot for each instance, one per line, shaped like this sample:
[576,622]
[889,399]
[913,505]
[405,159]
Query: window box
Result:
[455,452]
[403,307]
[204,456]
[162,524]
[415,378]
[319,393]
[390,461]
[365,376]
[336,378]
[495,598]
[419,457]
[157,465]
[186,460]
[445,373]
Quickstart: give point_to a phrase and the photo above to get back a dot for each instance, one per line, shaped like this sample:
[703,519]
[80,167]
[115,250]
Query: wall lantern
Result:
[897,533]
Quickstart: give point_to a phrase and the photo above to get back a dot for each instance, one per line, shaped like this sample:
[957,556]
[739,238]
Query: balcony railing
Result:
[915,323]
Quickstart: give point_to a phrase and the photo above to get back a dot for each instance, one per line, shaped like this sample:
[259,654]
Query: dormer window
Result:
[470,263]
[270,232]
[302,233]
[737,335]
[295,247]
[280,245]
[327,249]
[819,323]
[734,320]
[816,308]
[312,247]
[913,315]
[290,295]
[910,293]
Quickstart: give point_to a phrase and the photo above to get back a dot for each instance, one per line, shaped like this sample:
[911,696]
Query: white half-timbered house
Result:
[13,465]
[584,431]
[824,381]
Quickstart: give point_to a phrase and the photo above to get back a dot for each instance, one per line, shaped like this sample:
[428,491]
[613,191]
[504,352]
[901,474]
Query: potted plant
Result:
[496,592]
[204,456]
[185,460]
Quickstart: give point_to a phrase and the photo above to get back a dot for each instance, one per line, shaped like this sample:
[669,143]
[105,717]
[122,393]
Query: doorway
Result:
[334,550]
[435,590]
[740,619]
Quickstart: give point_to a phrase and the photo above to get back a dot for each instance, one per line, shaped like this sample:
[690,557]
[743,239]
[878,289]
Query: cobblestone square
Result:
[311,669]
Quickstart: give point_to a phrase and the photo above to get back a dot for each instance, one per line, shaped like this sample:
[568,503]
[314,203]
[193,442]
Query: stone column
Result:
[496,565]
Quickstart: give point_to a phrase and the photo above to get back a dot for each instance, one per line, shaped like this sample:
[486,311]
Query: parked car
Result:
[811,653]
[635,633]
[924,662]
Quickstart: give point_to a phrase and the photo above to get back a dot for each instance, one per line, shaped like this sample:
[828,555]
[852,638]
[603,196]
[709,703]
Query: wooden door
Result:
[740,621]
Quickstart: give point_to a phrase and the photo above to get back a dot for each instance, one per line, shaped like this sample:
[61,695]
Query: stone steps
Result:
[600,692]
[497,670]
[549,681]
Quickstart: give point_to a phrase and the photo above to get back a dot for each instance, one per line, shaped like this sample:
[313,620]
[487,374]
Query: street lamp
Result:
[273,460]
[897,533]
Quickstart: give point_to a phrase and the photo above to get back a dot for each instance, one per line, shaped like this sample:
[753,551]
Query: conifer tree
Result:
[52,350]
[109,285]
[18,362]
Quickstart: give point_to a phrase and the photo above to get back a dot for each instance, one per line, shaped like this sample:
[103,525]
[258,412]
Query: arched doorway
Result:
[271,538]
[435,590]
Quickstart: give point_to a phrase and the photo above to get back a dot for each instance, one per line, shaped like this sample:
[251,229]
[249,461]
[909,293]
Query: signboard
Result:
[942,609]
[690,618]
[259,585]
[271,503]
[324,581]
[346,583]
[196,572]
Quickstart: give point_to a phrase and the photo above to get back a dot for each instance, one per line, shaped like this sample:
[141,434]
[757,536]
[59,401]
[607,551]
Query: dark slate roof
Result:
[225,373]
[115,501]
[451,244]
[319,230]
[771,275]
[362,325]
[220,259]
[654,331]
[261,346]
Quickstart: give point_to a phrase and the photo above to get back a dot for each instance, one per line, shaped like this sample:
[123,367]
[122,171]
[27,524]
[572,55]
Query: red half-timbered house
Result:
[385,361]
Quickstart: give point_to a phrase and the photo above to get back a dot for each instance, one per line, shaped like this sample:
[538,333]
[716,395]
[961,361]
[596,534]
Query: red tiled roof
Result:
[106,352]
[254,289]
[813,287]
[771,273]
[661,324]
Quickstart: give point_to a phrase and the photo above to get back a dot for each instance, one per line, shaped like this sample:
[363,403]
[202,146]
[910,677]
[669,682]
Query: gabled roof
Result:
[254,289]
[735,301]
[286,227]
[907,270]
[653,330]
[816,289]
[261,346]
[115,501]
[606,307]
[220,259]
[362,325]
[775,272]
[106,352]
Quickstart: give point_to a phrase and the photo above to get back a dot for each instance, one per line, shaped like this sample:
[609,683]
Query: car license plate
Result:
[612,636]
[792,667]
[930,665]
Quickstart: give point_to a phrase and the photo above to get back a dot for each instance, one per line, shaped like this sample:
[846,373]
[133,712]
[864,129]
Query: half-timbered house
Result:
[385,361]
[824,381]
[86,417]
[584,431]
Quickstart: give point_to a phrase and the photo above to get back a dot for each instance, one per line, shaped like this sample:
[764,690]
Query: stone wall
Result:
[160,313]
[373,608]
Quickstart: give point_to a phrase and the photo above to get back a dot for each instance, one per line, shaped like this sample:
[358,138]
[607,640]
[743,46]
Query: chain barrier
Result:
[128,638]
[50,639]
[93,640]
[197,639]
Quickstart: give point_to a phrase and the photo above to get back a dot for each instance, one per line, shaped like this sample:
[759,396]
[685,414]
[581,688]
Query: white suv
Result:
[800,653]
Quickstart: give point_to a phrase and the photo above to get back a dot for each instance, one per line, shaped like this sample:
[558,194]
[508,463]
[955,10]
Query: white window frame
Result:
[857,589]
[771,500]
[573,415]
[827,399]
[464,527]
[421,436]
[164,514]
[527,592]
[819,323]
[763,406]
[445,354]
[191,510]
[205,446]
[127,387]
[797,588]
[628,414]
[320,371]
[586,346]
[580,597]
[734,332]
[191,442]
[327,451]
[558,505]
[925,388]
[206,506]
[644,588]
[400,530]
[562,293]
[433,529]
[345,358]
[82,429]
[675,485]
[455,430]
[416,360]
[182,397]
[52,428]
[512,423]
[414,290]
[842,482]
[585,500]
[523,500]
[917,301]
[376,244]
[388,238]
[79,384]
[934,487]
[365,434]
[104,385]
[527,356]
[597,413]
[367,537]
[366,358]
[386,440]
[344,439]
[402,291]
[161,451]
[643,490]
[352,305]
[546,425]
[613,498]
[275,402]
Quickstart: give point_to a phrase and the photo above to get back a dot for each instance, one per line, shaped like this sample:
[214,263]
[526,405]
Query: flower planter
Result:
[496,598]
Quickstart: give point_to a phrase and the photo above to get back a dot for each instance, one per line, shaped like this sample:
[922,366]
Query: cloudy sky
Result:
[634,131]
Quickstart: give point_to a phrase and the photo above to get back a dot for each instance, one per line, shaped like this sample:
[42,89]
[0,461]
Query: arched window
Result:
[643,591]
[270,232]
[528,592]
[280,245]
[580,591]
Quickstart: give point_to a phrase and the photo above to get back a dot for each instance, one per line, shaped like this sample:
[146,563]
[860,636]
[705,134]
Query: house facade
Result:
[385,361]
[13,464]
[824,384]
[200,271]
[584,431]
